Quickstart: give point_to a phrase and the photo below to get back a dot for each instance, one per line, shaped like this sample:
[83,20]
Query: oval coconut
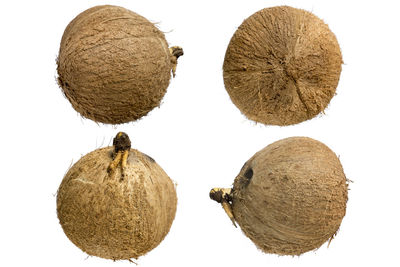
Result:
[114,65]
[115,218]
[282,66]
[291,196]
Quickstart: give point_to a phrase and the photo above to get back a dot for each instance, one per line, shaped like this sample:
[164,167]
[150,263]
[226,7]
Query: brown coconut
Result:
[114,65]
[116,217]
[282,66]
[290,197]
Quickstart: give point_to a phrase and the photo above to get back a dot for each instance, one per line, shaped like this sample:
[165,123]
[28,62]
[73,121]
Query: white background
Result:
[197,135]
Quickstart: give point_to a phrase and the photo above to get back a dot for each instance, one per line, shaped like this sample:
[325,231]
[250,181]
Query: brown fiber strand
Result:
[115,218]
[296,199]
[282,66]
[114,65]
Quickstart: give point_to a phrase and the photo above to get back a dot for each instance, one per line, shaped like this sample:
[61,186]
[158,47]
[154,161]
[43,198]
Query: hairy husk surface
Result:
[296,198]
[113,218]
[114,65]
[282,66]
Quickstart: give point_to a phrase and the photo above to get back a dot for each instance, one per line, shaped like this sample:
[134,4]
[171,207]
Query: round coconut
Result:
[291,196]
[116,216]
[282,66]
[114,65]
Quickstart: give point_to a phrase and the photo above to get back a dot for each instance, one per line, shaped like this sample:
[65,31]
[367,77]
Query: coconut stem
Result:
[224,196]
[176,52]
[122,145]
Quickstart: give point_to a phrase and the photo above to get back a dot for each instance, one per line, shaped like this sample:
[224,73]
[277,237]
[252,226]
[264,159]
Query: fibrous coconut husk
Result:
[114,216]
[291,196]
[282,66]
[114,65]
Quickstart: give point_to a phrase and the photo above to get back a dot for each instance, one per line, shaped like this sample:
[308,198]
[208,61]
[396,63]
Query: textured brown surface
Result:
[114,66]
[295,199]
[113,218]
[282,66]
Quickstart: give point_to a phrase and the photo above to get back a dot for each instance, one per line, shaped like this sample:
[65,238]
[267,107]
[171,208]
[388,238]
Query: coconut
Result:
[116,215]
[114,65]
[282,66]
[290,197]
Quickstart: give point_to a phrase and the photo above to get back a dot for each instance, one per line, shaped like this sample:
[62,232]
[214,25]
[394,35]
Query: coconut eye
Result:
[249,173]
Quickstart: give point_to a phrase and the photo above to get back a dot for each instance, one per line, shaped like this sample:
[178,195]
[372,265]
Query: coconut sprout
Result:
[116,202]
[289,198]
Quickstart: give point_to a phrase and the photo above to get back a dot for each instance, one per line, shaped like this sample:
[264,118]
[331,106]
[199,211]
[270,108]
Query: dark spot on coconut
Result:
[244,180]
[249,173]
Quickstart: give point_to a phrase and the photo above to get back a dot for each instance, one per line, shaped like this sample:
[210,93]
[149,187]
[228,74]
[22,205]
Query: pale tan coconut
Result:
[114,65]
[117,214]
[290,197]
[282,66]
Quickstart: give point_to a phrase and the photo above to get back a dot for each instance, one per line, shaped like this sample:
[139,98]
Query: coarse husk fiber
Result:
[114,65]
[113,218]
[291,196]
[282,66]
